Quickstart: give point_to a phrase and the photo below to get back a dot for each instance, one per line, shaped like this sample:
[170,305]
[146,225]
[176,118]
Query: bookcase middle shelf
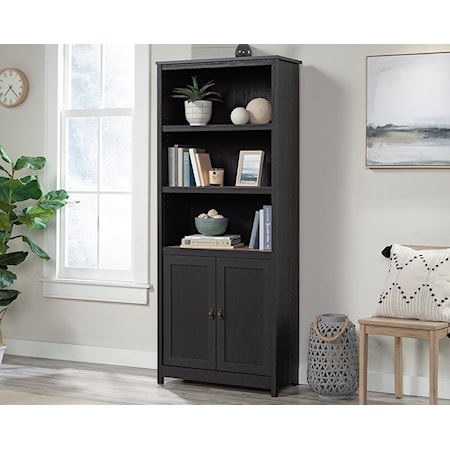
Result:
[264,190]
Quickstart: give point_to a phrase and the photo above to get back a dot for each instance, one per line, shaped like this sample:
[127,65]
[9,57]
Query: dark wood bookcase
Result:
[230,316]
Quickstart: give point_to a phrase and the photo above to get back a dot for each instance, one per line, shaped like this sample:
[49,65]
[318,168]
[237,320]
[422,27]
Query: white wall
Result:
[347,214]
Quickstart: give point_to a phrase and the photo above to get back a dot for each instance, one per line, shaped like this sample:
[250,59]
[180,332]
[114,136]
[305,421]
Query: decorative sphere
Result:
[211,226]
[239,116]
[260,110]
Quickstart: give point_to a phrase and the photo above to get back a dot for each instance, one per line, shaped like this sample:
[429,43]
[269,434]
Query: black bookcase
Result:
[230,316]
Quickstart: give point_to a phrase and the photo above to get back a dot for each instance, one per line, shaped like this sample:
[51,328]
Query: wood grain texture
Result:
[37,381]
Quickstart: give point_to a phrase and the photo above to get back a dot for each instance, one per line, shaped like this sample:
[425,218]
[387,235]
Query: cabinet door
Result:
[243,316]
[189,312]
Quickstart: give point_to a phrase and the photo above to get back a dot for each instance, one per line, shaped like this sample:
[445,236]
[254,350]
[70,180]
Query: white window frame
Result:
[135,289]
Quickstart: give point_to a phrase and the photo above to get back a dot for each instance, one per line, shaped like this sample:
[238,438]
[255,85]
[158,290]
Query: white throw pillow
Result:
[418,285]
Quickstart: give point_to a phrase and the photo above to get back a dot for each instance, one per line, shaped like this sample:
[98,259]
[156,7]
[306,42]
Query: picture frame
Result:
[407,110]
[250,168]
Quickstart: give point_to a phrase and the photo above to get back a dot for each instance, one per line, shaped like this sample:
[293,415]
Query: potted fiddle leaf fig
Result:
[198,101]
[24,208]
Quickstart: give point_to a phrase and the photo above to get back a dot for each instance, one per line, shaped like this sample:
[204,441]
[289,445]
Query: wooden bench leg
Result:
[363,347]
[398,367]
[434,361]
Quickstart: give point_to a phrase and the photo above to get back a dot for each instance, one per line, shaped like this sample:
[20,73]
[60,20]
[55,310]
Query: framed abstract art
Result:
[408,110]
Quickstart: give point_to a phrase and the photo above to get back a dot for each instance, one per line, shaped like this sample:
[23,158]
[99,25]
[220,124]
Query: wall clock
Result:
[13,87]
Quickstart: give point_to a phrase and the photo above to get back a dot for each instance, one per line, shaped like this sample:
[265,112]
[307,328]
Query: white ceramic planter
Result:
[199,112]
[2,352]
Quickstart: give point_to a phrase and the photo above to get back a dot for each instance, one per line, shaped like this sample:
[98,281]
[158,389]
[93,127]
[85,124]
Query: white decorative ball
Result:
[260,110]
[212,213]
[239,116]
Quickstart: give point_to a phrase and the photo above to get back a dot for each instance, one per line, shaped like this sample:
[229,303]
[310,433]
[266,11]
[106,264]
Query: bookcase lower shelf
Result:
[238,252]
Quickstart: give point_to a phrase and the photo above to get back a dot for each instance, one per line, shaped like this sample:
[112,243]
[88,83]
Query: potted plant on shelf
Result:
[23,203]
[198,101]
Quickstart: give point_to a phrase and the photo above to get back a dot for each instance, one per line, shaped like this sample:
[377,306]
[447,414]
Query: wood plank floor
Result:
[50,382]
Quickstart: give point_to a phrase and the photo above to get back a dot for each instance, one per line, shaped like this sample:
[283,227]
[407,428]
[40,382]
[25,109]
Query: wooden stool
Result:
[400,328]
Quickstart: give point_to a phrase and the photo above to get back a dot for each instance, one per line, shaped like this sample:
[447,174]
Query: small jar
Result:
[216,177]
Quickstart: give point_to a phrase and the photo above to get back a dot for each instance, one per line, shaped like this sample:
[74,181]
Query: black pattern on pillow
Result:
[418,285]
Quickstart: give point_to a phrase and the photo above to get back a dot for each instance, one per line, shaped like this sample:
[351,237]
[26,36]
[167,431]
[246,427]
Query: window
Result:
[97,130]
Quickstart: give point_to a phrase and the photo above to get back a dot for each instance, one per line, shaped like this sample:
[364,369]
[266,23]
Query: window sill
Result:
[135,293]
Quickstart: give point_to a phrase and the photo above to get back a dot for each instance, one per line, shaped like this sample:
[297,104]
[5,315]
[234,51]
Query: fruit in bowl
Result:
[211,223]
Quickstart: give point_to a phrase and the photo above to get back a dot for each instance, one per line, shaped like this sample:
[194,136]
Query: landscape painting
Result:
[408,110]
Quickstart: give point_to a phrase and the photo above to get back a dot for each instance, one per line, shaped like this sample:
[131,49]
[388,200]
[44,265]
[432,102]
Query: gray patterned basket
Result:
[333,366]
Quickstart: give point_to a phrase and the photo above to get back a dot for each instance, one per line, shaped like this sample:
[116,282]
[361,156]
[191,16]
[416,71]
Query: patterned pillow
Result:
[418,285]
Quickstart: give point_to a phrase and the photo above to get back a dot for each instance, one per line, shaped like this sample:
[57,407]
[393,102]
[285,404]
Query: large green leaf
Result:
[35,248]
[7,278]
[36,217]
[30,162]
[13,258]
[61,194]
[27,188]
[7,296]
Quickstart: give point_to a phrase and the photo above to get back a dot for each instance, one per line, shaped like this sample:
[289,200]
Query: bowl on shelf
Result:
[211,227]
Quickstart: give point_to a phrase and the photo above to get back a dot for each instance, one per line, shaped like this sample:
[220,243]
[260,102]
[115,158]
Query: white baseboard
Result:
[383,382]
[82,353]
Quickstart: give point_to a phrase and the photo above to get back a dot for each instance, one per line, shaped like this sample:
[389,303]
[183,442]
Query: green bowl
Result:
[211,227]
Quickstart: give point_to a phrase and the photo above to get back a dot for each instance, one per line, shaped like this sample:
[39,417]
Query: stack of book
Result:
[261,235]
[188,166]
[227,241]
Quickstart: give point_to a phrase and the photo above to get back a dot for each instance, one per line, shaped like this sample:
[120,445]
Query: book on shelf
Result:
[265,227]
[204,166]
[192,152]
[213,247]
[188,172]
[172,164]
[200,239]
[254,236]
[176,164]
[267,209]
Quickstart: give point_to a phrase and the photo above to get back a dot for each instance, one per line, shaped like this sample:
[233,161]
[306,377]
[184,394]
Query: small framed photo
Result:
[250,168]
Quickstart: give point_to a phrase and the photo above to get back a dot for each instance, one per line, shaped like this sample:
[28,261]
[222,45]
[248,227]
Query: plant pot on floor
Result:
[198,113]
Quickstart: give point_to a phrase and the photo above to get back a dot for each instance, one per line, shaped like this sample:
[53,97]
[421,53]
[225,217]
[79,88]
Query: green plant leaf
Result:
[27,188]
[5,206]
[57,195]
[5,155]
[192,93]
[35,248]
[36,216]
[13,258]
[4,191]
[4,170]
[5,221]
[30,162]
[7,278]
[7,296]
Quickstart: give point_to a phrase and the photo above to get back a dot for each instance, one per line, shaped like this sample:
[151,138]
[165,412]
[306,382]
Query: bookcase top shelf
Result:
[262,190]
[214,128]
[225,62]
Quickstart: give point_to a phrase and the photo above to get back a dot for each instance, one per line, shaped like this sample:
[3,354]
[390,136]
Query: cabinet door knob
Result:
[211,314]
[220,314]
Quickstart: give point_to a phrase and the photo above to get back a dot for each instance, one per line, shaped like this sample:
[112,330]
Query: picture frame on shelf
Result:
[250,168]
